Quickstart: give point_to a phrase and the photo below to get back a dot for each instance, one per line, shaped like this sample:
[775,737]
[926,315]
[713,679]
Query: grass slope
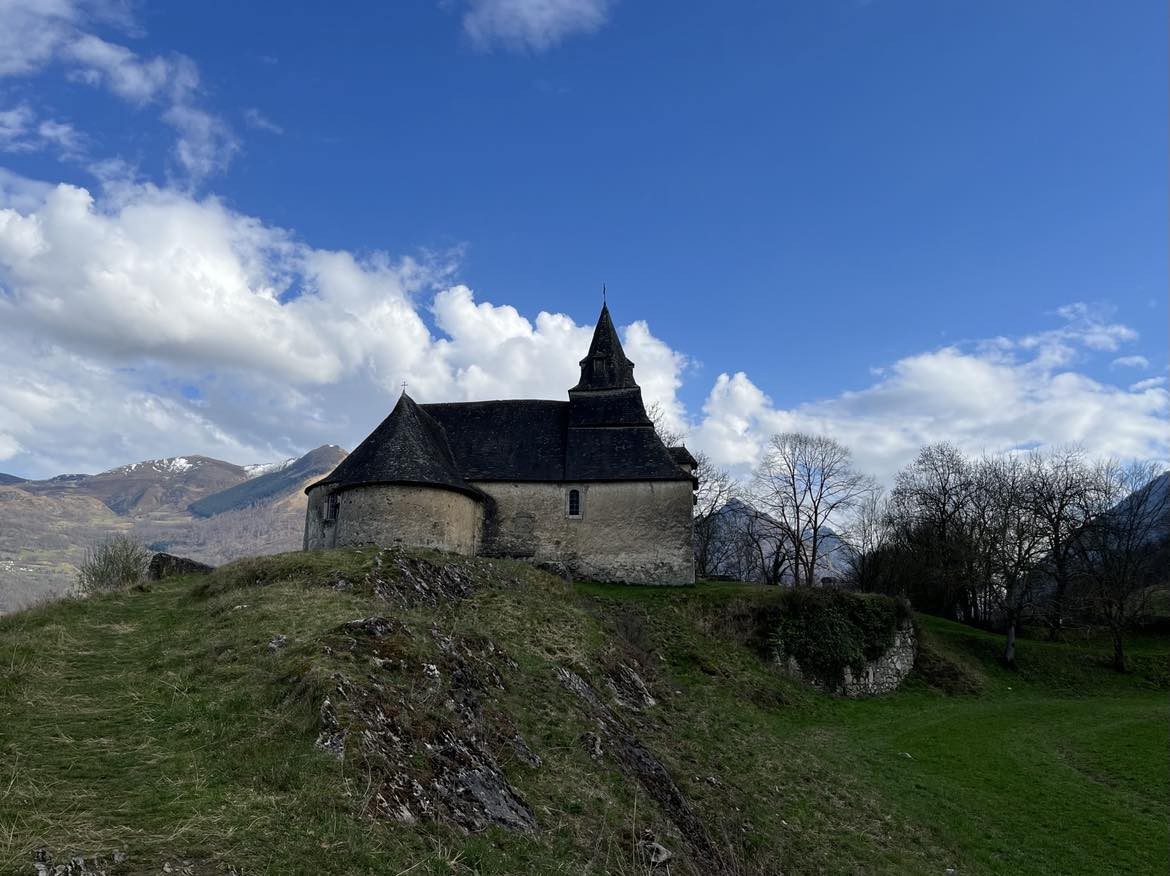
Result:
[159,722]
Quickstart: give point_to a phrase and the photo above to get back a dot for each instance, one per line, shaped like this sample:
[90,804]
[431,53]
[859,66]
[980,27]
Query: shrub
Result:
[827,630]
[115,563]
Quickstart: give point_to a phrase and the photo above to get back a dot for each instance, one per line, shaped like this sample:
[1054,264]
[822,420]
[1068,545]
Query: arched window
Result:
[574,503]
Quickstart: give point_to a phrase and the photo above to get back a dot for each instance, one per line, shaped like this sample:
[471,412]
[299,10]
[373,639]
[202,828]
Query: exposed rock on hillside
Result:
[47,864]
[641,765]
[168,565]
[422,762]
[397,576]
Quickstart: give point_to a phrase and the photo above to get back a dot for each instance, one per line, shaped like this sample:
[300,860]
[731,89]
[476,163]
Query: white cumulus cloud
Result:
[535,25]
[982,397]
[244,340]
[1131,362]
[144,321]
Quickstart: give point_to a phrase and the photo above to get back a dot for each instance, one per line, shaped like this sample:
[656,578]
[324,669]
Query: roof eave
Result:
[468,490]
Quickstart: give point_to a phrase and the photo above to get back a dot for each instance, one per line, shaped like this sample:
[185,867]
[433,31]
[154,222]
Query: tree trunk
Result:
[1118,651]
[1009,652]
[1056,620]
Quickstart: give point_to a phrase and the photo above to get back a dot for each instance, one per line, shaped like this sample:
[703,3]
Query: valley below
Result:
[203,508]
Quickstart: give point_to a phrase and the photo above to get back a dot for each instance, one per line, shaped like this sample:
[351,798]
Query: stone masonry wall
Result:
[880,676]
[638,532]
[389,515]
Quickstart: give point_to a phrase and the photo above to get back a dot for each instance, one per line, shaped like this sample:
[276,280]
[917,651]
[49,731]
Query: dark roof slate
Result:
[408,447]
[513,440]
[627,453]
[605,366]
[601,434]
[532,440]
[611,407]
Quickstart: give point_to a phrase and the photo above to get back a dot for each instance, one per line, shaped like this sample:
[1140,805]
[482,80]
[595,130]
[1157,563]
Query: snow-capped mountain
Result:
[257,469]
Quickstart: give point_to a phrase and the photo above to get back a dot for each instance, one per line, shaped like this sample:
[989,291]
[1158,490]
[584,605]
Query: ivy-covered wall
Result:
[849,643]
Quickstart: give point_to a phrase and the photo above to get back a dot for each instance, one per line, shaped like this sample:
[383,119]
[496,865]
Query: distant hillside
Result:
[281,481]
[750,538]
[145,487]
[43,539]
[245,510]
[8,480]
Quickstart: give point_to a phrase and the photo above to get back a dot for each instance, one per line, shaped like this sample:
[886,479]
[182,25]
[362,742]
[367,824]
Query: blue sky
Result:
[844,216]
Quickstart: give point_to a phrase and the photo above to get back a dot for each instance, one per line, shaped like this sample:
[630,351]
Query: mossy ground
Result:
[159,722]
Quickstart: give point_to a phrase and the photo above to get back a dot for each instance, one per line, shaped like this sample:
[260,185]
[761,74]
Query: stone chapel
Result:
[585,486]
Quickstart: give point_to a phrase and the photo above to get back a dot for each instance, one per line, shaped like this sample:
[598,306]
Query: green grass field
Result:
[159,723]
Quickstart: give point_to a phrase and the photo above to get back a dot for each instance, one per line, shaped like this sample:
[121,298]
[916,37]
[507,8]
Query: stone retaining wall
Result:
[880,676]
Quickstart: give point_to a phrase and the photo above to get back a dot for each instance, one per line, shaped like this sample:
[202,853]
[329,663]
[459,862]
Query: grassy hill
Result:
[417,703]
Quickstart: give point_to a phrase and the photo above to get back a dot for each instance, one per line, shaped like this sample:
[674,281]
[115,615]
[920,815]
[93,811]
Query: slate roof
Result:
[601,434]
[408,447]
[605,366]
[633,453]
[515,440]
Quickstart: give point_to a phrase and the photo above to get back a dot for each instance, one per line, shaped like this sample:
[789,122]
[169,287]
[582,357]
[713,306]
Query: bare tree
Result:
[929,508]
[713,539]
[867,534]
[773,556]
[747,547]
[1062,491]
[714,536]
[804,483]
[670,437]
[1012,539]
[1116,550]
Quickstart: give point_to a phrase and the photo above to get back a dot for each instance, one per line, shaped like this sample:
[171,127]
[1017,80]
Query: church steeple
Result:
[605,366]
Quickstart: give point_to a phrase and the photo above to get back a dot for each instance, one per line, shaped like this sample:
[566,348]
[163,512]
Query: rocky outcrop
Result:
[46,864]
[168,565]
[425,765]
[398,576]
[881,676]
[615,737]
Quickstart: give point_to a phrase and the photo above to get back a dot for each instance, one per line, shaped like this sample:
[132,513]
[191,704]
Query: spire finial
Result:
[603,293]
[404,387]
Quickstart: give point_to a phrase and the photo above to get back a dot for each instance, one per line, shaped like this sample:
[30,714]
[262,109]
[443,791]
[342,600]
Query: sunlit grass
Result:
[160,722]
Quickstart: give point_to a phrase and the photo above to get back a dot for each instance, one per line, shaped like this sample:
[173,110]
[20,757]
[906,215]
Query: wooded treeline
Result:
[1043,537]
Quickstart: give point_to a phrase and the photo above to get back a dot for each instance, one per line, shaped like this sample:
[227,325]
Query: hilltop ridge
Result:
[369,711]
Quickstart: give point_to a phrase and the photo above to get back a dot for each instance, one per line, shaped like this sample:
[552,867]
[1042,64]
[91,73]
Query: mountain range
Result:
[749,539]
[196,506]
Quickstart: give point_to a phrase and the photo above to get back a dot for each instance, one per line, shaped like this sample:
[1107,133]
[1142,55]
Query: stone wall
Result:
[637,532]
[390,514]
[880,676]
